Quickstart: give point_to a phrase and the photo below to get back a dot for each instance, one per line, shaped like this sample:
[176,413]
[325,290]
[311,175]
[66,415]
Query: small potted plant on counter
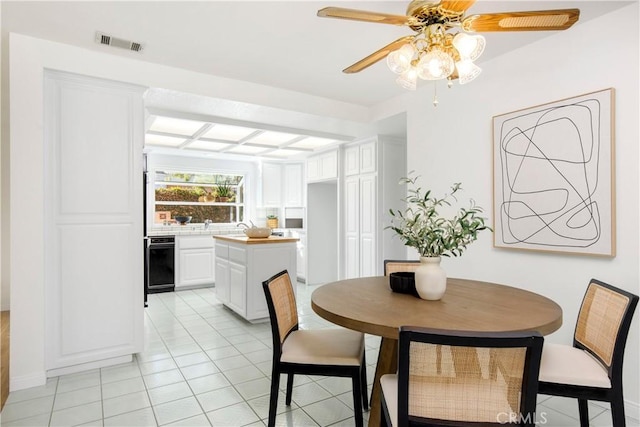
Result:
[272,221]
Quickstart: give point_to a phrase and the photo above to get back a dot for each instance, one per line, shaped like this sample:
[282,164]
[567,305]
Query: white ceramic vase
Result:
[431,279]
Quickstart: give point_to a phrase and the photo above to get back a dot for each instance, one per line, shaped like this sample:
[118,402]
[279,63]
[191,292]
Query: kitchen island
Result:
[243,263]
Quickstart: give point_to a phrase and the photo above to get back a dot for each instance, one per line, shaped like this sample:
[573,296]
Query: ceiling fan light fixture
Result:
[446,41]
[467,71]
[399,61]
[408,79]
[435,65]
[470,47]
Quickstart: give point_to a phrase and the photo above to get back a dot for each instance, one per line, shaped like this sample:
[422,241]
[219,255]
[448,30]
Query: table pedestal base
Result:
[387,364]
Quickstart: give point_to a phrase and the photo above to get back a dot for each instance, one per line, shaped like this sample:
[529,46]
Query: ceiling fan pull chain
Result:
[435,94]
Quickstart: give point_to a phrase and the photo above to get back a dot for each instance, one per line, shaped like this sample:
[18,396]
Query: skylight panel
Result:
[176,126]
[228,132]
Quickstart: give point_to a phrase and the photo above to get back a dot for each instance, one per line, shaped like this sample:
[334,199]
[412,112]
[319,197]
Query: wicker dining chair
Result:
[468,390]
[328,352]
[397,266]
[591,369]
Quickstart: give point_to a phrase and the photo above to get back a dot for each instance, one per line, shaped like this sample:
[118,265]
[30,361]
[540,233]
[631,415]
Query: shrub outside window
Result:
[203,196]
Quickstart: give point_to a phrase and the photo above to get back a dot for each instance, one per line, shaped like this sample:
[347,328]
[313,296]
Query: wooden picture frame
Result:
[553,176]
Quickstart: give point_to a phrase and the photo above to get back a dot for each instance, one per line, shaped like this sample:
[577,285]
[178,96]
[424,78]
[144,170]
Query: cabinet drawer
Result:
[238,255]
[222,250]
[196,242]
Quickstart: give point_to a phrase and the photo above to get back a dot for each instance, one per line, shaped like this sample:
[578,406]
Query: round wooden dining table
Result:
[368,305]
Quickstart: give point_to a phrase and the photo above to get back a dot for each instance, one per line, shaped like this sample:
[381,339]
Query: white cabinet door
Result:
[237,288]
[351,161]
[293,183]
[322,167]
[94,307]
[196,267]
[222,280]
[367,157]
[271,184]
[329,166]
[195,261]
[352,227]
[368,221]
[313,168]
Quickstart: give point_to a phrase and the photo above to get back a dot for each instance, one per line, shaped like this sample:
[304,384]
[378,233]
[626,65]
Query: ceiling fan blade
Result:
[362,15]
[542,20]
[456,6]
[377,55]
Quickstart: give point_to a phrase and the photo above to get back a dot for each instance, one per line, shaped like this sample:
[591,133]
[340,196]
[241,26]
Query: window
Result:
[202,196]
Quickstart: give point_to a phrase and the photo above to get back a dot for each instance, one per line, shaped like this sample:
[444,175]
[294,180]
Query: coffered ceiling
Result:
[202,137]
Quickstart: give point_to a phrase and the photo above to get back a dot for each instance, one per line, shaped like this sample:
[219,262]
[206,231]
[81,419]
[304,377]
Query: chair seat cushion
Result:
[563,364]
[324,347]
[389,386]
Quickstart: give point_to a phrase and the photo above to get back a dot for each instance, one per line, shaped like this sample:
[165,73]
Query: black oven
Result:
[160,264]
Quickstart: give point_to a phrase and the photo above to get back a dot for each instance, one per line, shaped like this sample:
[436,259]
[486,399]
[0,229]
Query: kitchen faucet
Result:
[206,223]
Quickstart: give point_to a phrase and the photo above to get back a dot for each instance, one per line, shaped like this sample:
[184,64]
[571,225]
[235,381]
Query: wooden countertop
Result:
[256,241]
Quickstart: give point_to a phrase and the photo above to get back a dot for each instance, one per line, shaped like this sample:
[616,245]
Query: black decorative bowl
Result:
[403,283]
[183,219]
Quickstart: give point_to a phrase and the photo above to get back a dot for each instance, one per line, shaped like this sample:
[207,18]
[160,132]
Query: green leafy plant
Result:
[272,216]
[224,190]
[421,226]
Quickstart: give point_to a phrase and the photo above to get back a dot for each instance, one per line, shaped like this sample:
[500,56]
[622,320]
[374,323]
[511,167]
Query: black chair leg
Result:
[273,398]
[289,388]
[617,413]
[583,408]
[363,384]
[357,396]
[384,412]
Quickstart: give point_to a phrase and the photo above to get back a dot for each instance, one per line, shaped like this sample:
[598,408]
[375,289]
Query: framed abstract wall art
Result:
[553,176]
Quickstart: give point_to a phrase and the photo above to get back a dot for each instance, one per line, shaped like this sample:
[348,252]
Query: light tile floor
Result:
[202,366]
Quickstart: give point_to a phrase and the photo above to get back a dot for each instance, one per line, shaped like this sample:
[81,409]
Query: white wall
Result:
[452,143]
[4,133]
[28,57]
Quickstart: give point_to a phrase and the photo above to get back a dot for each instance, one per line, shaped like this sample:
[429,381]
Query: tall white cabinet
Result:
[372,170]
[94,305]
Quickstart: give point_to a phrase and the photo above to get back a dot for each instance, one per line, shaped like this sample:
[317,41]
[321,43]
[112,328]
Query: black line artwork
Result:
[552,173]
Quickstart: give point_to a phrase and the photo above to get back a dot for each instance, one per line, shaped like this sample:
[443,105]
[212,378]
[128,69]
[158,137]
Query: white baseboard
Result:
[27,381]
[88,366]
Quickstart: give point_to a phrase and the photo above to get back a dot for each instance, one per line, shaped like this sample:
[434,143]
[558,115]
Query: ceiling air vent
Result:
[103,38]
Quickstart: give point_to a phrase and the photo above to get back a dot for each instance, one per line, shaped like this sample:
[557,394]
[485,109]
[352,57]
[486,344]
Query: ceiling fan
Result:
[435,52]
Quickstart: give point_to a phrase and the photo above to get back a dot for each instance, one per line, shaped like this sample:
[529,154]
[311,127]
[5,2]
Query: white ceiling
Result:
[277,43]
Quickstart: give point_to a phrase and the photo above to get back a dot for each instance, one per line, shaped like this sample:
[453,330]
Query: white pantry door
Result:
[94,308]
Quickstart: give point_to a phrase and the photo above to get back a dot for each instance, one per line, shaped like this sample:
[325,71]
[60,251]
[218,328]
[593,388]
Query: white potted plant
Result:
[422,227]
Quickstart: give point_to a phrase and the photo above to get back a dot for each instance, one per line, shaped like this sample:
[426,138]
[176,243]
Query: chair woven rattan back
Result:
[397,266]
[284,304]
[600,320]
[482,378]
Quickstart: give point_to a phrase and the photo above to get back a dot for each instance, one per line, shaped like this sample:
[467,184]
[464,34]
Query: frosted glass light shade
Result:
[467,71]
[469,47]
[399,60]
[435,65]
[408,79]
